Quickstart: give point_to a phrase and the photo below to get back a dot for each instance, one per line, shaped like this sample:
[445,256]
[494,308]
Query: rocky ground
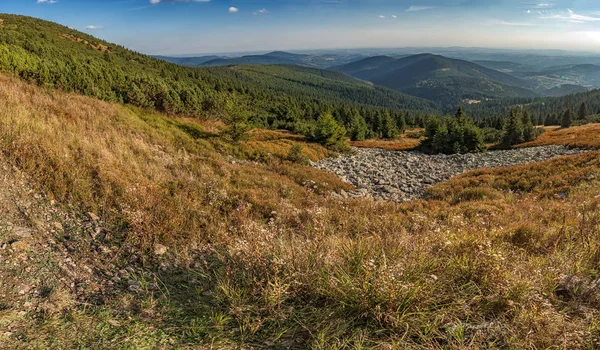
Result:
[402,176]
[51,260]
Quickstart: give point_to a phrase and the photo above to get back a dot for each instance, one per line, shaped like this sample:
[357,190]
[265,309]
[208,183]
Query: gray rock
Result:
[402,176]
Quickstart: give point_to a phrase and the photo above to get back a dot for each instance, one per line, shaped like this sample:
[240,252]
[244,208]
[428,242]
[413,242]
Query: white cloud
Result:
[381,16]
[394,16]
[419,8]
[50,2]
[260,11]
[93,27]
[543,5]
[569,16]
[528,11]
[233,9]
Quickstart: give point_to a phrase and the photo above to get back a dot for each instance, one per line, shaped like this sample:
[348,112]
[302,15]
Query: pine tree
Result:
[582,112]
[567,118]
[529,133]
[460,116]
[358,128]
[513,131]
[401,123]
[329,132]
[388,126]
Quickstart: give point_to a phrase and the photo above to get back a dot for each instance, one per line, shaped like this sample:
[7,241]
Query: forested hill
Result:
[438,78]
[56,56]
[541,107]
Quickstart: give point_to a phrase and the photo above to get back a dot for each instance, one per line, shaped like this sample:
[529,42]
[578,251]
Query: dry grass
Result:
[263,143]
[578,136]
[258,256]
[404,143]
[401,144]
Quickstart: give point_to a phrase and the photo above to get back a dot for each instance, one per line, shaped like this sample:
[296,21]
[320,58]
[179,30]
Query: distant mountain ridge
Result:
[275,57]
[437,78]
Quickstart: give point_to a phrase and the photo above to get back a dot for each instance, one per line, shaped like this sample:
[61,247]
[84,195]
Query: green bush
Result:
[453,135]
[491,135]
[296,155]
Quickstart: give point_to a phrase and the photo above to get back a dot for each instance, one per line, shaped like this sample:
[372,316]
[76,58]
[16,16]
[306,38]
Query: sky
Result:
[176,27]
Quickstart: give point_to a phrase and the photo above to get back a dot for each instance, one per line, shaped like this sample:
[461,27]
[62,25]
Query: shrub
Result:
[491,135]
[453,135]
[297,155]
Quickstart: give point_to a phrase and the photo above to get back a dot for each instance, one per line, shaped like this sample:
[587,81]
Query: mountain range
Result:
[322,60]
[438,78]
[444,79]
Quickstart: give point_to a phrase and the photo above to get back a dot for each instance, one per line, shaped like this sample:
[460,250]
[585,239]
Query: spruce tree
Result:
[388,126]
[401,123]
[529,133]
[513,131]
[567,118]
[582,112]
[460,116]
[358,128]
[329,132]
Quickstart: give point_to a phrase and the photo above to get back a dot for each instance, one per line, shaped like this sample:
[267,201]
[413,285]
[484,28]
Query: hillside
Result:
[586,75]
[135,229]
[437,78]
[188,61]
[52,55]
[504,66]
[564,90]
[541,107]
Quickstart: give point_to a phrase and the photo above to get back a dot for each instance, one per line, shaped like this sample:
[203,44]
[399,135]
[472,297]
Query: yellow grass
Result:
[260,254]
[577,136]
[402,144]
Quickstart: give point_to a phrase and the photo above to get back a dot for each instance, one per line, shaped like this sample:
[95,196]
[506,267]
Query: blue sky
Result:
[215,26]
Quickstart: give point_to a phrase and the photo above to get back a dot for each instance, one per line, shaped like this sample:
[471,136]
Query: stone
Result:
[381,174]
[160,249]
[22,232]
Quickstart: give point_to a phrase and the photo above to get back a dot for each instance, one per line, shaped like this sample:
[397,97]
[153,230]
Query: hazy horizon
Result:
[415,49]
[193,27]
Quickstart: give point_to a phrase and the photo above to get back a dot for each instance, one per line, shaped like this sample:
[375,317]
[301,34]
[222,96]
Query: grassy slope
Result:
[587,136]
[258,256]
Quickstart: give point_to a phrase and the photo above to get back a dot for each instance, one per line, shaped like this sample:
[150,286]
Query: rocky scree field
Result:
[402,176]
